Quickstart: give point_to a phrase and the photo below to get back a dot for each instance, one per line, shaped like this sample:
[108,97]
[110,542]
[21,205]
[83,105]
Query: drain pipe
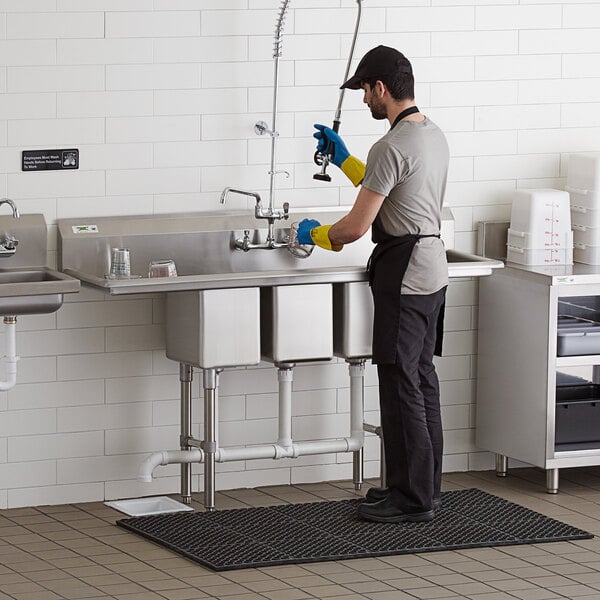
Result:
[11,357]
[285,377]
[168,457]
[285,447]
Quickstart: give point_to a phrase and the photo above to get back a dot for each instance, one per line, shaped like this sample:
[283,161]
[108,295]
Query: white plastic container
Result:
[589,255]
[584,198]
[539,239]
[589,236]
[586,217]
[539,256]
[583,175]
[539,211]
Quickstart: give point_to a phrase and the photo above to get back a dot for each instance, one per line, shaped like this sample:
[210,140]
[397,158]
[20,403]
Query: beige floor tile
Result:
[47,575]
[575,591]
[395,595]
[286,595]
[492,596]
[229,589]
[328,591]
[308,581]
[369,587]
[187,593]
[492,575]
[42,595]
[470,589]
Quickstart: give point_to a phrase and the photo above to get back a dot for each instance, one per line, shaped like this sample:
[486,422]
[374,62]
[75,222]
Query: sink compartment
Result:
[214,328]
[297,323]
[352,319]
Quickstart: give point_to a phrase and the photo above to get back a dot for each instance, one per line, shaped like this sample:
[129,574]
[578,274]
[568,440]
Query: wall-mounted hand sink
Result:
[27,285]
[34,291]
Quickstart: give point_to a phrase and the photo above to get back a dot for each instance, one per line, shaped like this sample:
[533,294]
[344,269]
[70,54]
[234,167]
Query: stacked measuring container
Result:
[583,185]
[540,228]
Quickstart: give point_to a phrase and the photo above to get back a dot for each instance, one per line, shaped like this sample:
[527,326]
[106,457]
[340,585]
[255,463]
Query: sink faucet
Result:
[15,210]
[260,212]
[9,245]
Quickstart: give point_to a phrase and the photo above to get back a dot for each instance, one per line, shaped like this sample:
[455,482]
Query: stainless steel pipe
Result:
[186,374]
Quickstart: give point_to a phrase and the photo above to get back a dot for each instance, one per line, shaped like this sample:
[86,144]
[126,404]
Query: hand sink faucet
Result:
[9,245]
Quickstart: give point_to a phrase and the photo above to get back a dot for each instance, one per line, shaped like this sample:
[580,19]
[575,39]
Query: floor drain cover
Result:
[320,531]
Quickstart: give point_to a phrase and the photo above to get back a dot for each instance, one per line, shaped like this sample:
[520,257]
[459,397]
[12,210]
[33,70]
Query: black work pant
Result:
[409,401]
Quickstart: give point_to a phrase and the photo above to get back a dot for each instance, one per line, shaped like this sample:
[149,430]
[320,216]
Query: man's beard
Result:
[378,111]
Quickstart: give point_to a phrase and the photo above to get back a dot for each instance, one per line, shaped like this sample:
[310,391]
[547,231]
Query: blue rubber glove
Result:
[327,137]
[304,228]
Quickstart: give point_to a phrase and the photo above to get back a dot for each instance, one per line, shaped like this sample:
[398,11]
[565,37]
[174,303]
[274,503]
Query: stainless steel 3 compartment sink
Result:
[202,246]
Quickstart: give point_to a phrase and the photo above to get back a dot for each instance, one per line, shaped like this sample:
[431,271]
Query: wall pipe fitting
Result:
[11,358]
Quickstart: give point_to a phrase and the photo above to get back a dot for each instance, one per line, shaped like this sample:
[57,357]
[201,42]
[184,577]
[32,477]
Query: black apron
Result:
[390,259]
[387,266]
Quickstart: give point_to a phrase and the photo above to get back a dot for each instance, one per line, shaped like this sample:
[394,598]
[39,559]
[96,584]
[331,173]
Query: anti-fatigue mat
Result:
[320,531]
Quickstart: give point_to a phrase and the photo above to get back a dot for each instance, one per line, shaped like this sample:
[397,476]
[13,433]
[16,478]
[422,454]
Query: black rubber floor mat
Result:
[320,531]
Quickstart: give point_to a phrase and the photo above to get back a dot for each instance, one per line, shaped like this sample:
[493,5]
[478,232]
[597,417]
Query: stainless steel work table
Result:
[518,363]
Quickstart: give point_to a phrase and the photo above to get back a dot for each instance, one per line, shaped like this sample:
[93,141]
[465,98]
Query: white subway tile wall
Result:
[161,97]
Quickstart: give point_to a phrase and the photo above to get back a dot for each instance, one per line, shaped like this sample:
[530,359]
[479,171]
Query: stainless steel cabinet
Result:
[518,366]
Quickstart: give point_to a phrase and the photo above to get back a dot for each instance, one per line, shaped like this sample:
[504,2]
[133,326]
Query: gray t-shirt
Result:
[409,166]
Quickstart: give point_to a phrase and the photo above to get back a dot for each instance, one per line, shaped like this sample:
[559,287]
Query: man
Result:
[401,195]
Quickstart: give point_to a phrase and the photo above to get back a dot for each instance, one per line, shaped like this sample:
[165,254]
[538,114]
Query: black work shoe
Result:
[385,512]
[376,494]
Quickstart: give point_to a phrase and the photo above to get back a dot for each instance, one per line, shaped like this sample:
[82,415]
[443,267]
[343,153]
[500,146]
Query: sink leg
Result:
[356,369]
[382,471]
[552,481]
[357,469]
[186,373]
[209,445]
[501,465]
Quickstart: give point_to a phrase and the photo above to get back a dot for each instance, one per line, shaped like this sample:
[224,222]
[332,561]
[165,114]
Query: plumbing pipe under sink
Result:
[168,457]
[11,358]
[285,447]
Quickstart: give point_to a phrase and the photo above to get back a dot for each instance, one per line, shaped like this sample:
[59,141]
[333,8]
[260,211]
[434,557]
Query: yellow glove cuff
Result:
[320,236]
[354,170]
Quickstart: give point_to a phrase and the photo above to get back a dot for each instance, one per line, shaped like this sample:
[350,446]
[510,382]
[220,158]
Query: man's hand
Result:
[329,142]
[313,233]
[304,228]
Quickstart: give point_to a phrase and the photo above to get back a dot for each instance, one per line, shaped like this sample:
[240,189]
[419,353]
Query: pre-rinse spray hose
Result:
[320,158]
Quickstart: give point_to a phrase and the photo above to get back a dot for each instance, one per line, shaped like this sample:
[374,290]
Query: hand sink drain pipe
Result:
[10,358]
[207,451]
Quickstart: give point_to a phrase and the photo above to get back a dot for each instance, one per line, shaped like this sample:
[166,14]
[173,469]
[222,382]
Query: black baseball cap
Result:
[378,62]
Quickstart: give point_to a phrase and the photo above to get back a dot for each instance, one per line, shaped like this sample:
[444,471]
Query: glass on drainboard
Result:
[162,268]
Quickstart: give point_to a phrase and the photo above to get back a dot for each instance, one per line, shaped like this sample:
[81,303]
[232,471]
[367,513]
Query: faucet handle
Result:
[286,210]
[10,241]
